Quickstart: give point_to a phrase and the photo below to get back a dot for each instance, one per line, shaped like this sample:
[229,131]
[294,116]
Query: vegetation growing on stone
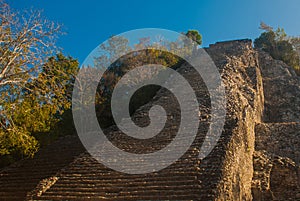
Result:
[280,46]
[36,82]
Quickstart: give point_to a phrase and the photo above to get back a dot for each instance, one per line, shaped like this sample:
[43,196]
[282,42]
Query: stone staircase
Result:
[20,178]
[64,171]
[87,179]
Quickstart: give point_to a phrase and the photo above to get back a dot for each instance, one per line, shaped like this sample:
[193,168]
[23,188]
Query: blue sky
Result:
[90,22]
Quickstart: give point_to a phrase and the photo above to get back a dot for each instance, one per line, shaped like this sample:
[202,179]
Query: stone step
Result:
[116,187]
[140,194]
[174,196]
[122,183]
[108,178]
[12,197]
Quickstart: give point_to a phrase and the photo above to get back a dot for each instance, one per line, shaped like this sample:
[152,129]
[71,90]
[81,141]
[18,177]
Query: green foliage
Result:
[195,36]
[38,108]
[121,66]
[18,142]
[35,87]
[279,46]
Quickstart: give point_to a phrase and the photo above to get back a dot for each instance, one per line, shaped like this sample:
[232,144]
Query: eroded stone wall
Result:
[277,144]
[282,90]
[254,158]
[238,64]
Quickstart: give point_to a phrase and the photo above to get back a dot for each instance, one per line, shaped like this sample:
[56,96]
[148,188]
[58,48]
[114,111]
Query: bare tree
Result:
[265,27]
[25,41]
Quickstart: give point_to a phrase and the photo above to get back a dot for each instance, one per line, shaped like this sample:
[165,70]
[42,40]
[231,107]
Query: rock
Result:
[256,157]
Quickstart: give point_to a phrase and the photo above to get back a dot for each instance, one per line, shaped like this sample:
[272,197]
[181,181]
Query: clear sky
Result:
[90,22]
